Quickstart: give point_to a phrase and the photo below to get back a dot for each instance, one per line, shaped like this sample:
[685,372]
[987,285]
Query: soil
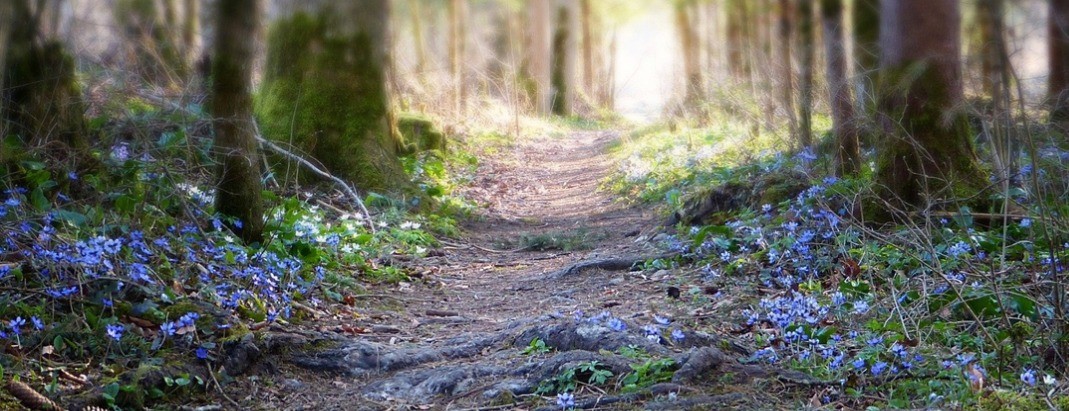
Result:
[453,338]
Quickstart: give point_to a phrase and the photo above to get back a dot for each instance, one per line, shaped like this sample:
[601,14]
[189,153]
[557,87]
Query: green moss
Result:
[43,99]
[1003,400]
[325,92]
[419,134]
[933,159]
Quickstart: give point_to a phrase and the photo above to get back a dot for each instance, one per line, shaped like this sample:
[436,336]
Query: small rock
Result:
[292,384]
[616,281]
[660,274]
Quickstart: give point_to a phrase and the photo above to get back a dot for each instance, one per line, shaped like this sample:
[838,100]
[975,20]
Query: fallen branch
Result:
[285,153]
[312,167]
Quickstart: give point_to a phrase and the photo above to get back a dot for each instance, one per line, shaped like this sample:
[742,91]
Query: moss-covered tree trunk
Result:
[324,89]
[238,192]
[848,155]
[42,101]
[1058,83]
[928,153]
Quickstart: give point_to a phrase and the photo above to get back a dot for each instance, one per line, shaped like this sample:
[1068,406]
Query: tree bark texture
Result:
[928,154]
[324,89]
[238,193]
[807,48]
[848,154]
[691,53]
[43,103]
[1058,83]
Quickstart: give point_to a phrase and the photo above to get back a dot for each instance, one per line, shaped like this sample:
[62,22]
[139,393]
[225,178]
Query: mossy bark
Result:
[928,154]
[239,189]
[420,134]
[42,100]
[324,89]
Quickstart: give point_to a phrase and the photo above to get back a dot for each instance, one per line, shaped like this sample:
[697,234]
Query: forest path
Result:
[454,337]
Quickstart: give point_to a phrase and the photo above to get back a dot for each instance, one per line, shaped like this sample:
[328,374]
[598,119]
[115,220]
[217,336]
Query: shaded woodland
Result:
[536,204]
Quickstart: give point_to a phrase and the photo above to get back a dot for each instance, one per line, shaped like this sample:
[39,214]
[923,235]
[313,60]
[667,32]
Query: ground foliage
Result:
[949,311]
[118,267]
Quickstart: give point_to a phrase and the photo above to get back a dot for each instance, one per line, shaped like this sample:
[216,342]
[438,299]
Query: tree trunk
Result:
[1058,83]
[928,154]
[805,92]
[563,63]
[191,14]
[688,40]
[239,189]
[784,31]
[7,14]
[538,55]
[324,89]
[848,154]
[866,30]
[736,39]
[417,37]
[457,57]
[152,40]
[43,103]
[586,22]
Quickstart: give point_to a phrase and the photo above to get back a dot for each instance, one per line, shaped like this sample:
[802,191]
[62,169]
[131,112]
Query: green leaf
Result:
[70,217]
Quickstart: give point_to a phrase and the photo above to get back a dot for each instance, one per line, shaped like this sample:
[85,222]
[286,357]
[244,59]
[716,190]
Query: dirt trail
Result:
[454,339]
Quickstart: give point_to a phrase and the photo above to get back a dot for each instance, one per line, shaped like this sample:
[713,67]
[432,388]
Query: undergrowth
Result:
[117,260]
[946,311]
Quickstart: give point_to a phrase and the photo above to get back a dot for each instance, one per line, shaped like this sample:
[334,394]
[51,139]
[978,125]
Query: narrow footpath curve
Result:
[453,340]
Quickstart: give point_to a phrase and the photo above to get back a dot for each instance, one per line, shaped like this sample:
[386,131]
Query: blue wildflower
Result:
[1029,377]
[677,335]
[115,331]
[565,400]
[616,324]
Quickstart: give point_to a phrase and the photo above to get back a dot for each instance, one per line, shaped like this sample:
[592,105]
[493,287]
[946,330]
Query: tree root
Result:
[608,264]
[490,367]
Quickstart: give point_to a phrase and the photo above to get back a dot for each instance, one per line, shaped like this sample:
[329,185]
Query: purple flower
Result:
[16,325]
[37,323]
[115,331]
[1028,376]
[202,353]
[616,324]
[565,400]
[167,328]
[879,367]
[677,335]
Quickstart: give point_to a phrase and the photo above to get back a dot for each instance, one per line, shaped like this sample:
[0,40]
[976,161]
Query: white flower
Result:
[228,238]
[1049,380]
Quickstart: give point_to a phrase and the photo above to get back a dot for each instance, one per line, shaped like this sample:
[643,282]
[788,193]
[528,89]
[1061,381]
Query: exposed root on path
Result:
[608,264]
[491,367]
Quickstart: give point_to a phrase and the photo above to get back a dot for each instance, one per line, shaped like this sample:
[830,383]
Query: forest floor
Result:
[455,337]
